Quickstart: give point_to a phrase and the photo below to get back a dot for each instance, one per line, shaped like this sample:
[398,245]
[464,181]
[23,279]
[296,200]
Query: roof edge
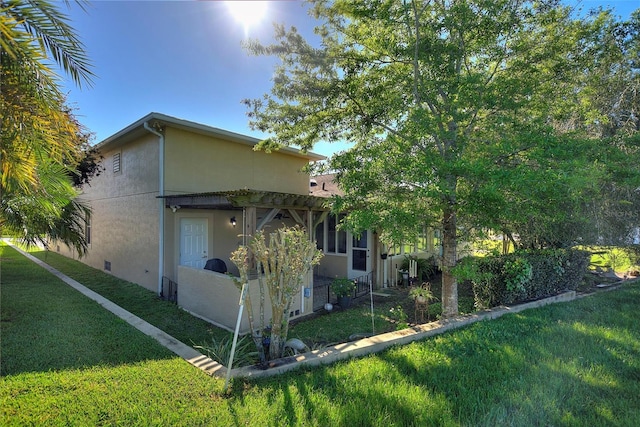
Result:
[202,129]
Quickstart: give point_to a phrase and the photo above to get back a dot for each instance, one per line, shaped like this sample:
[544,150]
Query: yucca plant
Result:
[220,350]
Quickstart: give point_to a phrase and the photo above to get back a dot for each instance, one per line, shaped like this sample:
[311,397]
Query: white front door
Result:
[359,254]
[194,242]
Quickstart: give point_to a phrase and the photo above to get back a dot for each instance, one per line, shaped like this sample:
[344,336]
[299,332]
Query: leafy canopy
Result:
[41,142]
[454,108]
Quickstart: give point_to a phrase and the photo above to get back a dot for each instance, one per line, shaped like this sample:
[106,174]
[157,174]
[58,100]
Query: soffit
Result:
[237,199]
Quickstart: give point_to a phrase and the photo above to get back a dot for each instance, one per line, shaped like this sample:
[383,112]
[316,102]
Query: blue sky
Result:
[184,59]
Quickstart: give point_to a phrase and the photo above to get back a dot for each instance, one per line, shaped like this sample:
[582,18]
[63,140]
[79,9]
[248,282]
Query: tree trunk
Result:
[449,248]
[275,347]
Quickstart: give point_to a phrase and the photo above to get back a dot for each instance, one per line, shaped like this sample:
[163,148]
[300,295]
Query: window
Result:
[320,236]
[329,238]
[116,163]
[423,241]
[331,234]
[87,229]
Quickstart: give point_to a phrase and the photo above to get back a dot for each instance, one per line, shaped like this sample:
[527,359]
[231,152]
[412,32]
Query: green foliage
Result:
[423,292]
[41,141]
[518,272]
[220,351]
[399,317]
[522,276]
[427,267]
[343,287]
[284,261]
[463,115]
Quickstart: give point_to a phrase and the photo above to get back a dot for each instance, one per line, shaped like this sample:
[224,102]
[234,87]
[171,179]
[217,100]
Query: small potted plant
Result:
[422,294]
[343,289]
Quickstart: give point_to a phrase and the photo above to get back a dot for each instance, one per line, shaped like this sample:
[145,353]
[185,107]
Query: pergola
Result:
[301,207]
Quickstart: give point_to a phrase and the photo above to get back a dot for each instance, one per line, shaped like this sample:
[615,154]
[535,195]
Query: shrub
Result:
[343,287]
[399,317]
[522,276]
[220,351]
[427,267]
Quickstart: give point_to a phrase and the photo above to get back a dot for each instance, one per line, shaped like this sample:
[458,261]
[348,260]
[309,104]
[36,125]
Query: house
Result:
[176,194]
[355,256]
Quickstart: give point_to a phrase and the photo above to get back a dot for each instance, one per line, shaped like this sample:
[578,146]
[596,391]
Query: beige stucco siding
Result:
[223,238]
[332,265]
[215,297]
[197,163]
[124,227]
[126,221]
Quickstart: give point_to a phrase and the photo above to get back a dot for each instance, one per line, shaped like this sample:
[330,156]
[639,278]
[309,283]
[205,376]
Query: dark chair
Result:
[216,264]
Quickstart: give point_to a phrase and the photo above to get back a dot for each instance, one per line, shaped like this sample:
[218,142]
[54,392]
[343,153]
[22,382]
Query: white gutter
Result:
[161,203]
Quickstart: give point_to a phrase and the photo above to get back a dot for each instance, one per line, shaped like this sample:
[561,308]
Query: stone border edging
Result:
[380,342]
[325,356]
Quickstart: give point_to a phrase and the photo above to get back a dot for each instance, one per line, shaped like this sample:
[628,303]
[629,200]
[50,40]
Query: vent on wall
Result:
[116,163]
[107,265]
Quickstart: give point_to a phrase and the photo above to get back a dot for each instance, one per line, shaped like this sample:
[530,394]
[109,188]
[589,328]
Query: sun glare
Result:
[248,13]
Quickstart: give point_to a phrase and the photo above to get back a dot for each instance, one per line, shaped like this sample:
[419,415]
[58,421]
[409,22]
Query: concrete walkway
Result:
[188,353]
[325,356]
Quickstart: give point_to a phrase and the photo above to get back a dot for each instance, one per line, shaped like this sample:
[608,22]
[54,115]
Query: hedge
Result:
[523,276]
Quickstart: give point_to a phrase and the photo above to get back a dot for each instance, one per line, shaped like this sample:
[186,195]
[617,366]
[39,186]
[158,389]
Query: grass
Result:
[316,332]
[137,300]
[337,326]
[47,325]
[617,259]
[568,364]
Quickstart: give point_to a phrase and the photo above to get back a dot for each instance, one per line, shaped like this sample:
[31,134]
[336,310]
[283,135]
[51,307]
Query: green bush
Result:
[522,276]
[220,350]
[427,267]
[343,287]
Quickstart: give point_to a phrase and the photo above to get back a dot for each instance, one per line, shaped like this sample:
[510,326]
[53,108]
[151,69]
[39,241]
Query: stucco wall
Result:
[332,266]
[214,297]
[124,224]
[198,163]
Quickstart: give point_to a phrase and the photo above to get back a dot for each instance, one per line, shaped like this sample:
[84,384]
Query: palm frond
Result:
[49,28]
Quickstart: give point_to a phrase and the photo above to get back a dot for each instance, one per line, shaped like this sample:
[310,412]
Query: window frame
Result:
[337,239]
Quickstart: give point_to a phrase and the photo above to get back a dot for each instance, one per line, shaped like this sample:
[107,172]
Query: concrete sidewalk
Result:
[189,354]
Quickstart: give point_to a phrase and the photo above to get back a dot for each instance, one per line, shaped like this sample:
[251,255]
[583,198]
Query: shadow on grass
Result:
[46,325]
[565,364]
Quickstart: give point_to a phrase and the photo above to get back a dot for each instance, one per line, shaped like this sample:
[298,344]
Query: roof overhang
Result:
[136,130]
[238,199]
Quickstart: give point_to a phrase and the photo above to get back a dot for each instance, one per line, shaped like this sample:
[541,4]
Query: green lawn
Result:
[135,299]
[67,362]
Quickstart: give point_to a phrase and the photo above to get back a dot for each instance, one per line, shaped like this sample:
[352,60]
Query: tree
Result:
[591,193]
[41,142]
[285,260]
[610,83]
[428,91]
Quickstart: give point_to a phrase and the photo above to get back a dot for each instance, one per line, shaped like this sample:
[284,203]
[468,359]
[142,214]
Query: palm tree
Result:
[40,140]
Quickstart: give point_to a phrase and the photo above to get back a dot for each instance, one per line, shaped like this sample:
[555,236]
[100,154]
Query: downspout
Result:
[161,203]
